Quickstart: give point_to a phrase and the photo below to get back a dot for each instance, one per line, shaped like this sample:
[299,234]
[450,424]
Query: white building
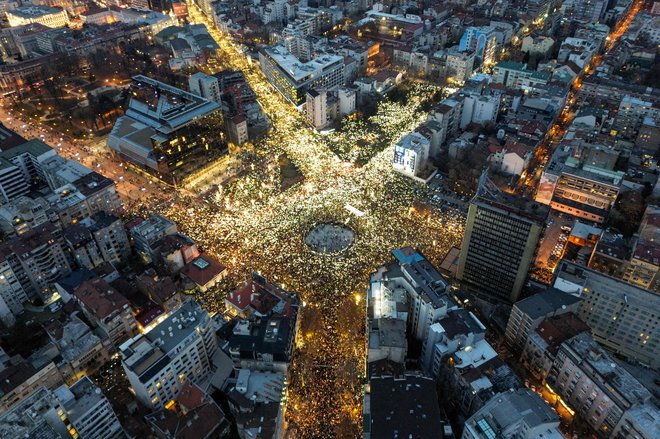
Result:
[176,350]
[448,116]
[347,99]
[46,15]
[534,45]
[516,414]
[89,411]
[459,328]
[479,109]
[12,295]
[317,107]
[411,289]
[293,77]
[411,154]
[460,66]
[206,86]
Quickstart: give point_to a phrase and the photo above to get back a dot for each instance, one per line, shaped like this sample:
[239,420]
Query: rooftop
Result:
[557,329]
[202,270]
[403,407]
[509,408]
[164,107]
[613,378]
[268,335]
[80,398]
[34,11]
[545,303]
[298,70]
[490,197]
[263,298]
[148,353]
[426,279]
[573,278]
[572,159]
[194,415]
[100,299]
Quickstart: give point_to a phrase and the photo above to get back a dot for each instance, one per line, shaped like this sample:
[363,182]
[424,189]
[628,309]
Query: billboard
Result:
[546,188]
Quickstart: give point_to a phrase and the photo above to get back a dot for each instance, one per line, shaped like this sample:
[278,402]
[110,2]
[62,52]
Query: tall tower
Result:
[499,246]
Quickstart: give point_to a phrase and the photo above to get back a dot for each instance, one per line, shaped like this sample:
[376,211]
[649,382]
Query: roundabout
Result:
[329,238]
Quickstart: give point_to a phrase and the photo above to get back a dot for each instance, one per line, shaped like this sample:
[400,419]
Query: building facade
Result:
[177,350]
[499,245]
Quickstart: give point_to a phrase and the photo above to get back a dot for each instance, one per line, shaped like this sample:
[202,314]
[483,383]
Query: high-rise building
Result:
[89,411]
[177,350]
[500,241]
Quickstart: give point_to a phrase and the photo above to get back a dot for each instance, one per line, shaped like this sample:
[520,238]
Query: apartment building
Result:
[89,411]
[107,309]
[580,180]
[147,232]
[517,75]
[623,317]
[293,78]
[177,350]
[38,259]
[516,414]
[528,313]
[594,385]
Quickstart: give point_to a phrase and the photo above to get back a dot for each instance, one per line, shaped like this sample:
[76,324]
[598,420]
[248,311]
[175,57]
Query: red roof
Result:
[261,298]
[99,298]
[556,330]
[202,270]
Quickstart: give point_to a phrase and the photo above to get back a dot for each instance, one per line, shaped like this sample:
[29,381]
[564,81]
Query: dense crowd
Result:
[250,224]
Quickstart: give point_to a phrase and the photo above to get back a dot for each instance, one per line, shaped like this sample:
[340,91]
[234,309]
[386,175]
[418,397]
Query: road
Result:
[91,152]
[531,176]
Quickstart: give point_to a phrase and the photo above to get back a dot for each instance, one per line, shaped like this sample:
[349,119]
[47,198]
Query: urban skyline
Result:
[326,219]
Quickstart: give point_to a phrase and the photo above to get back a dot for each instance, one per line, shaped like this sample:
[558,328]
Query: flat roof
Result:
[299,70]
[546,302]
[403,407]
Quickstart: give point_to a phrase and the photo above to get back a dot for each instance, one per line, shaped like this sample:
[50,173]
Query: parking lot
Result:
[444,198]
[558,227]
